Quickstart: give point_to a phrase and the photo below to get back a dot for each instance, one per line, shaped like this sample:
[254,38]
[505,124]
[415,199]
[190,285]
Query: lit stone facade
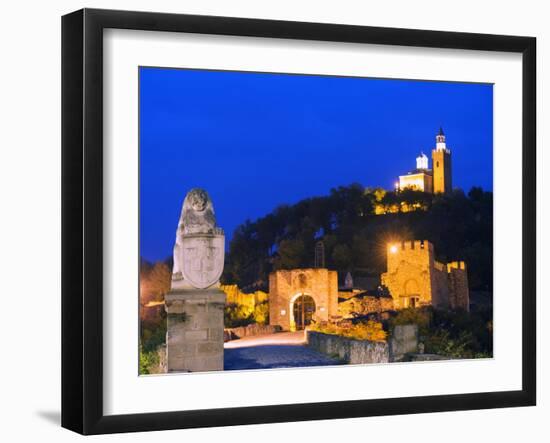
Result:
[418,180]
[285,287]
[414,278]
[436,180]
[441,159]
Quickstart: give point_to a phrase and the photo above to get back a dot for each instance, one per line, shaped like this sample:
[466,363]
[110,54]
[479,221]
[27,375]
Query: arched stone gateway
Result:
[301,296]
[302,311]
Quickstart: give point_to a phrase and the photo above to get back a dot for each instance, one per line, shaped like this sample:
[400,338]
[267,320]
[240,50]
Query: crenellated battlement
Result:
[456,265]
[410,245]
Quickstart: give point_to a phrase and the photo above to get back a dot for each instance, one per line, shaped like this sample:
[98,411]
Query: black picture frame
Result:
[82,216]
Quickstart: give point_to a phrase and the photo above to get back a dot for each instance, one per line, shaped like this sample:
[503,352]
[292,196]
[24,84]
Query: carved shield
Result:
[203,258]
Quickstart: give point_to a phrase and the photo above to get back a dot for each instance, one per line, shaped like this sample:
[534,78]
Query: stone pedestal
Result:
[404,341]
[194,338]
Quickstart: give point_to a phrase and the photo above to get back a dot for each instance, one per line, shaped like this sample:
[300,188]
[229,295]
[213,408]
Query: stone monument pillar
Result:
[195,303]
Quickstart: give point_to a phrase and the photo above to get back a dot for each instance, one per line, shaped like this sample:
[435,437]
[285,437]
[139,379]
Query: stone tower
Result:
[441,158]
[409,277]
[319,254]
[414,278]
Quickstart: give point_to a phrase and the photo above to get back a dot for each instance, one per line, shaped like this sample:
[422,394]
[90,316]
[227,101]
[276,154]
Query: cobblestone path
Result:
[282,350]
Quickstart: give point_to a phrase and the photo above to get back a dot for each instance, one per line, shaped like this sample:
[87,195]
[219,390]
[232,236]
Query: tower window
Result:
[437,164]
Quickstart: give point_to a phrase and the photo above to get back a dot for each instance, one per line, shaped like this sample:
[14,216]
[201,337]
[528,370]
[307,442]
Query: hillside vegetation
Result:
[459,225]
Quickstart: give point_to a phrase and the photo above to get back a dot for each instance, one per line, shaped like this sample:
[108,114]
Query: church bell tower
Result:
[441,157]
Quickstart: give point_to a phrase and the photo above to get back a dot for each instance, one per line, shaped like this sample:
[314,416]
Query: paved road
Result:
[282,350]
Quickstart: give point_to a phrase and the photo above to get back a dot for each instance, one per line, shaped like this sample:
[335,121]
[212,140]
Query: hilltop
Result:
[355,224]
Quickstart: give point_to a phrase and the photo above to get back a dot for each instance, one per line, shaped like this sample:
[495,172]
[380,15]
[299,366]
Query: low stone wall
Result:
[249,331]
[349,350]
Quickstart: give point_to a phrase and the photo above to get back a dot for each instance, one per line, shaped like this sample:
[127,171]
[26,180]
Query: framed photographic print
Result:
[269,221]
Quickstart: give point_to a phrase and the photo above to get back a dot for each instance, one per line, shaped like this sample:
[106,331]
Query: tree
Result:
[341,257]
[460,226]
[291,254]
[154,283]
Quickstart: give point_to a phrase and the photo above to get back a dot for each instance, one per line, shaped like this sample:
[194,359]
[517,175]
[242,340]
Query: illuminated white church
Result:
[434,180]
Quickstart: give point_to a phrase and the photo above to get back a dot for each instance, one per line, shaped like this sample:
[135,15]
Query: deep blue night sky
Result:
[255,141]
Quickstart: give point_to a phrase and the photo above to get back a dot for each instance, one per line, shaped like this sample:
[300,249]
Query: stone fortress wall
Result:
[415,278]
[458,284]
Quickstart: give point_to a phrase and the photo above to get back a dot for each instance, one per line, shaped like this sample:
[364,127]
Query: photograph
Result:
[301,220]
[269,221]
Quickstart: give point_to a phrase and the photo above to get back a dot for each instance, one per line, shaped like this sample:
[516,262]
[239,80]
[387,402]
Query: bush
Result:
[261,313]
[477,324]
[422,317]
[371,330]
[457,334]
[152,336]
[235,315]
[148,361]
[441,343]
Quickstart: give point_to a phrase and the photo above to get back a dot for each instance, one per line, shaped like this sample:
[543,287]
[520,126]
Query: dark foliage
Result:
[457,334]
[459,225]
